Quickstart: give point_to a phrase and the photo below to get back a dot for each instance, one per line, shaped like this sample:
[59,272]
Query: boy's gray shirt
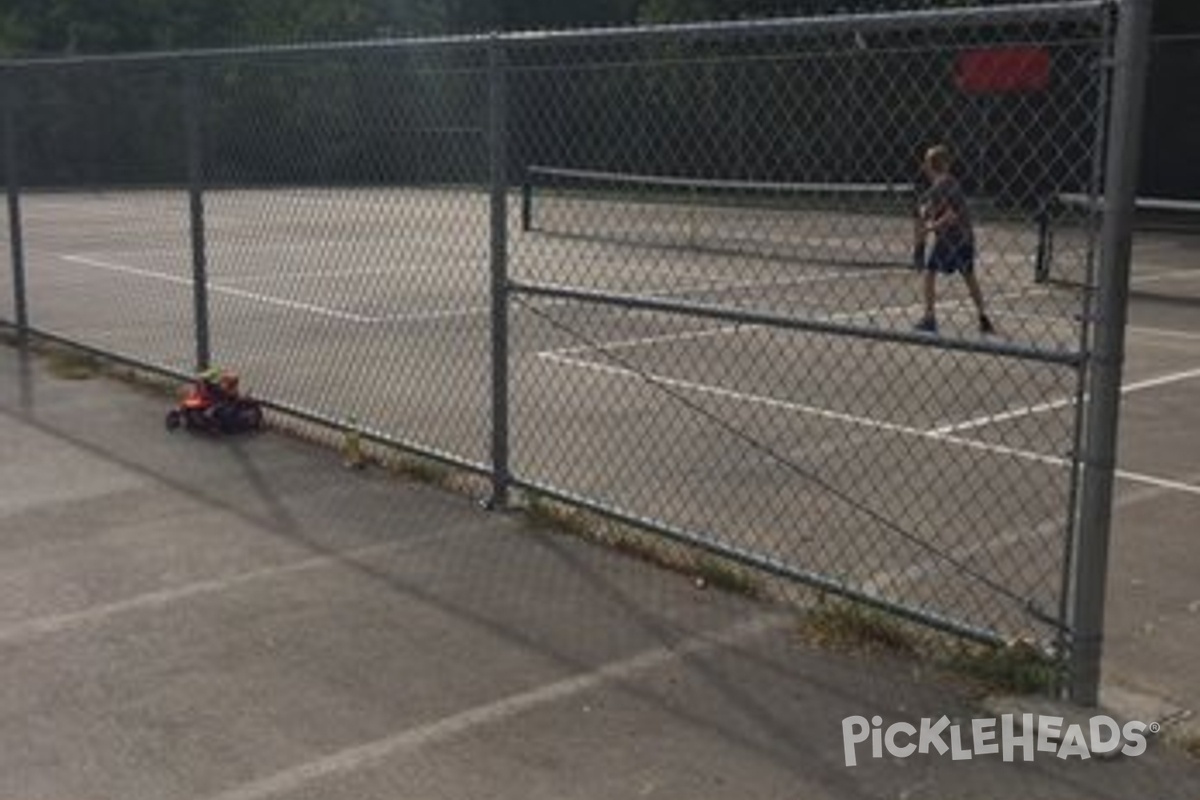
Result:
[947,192]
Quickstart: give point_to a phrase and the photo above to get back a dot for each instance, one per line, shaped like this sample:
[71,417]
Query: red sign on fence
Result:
[1003,70]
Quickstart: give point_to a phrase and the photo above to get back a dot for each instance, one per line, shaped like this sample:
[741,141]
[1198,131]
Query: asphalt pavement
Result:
[202,618]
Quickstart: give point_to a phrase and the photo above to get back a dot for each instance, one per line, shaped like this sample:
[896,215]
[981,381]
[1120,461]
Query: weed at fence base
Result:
[704,569]
[71,366]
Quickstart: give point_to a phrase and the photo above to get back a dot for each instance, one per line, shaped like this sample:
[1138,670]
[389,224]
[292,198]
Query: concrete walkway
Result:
[243,619]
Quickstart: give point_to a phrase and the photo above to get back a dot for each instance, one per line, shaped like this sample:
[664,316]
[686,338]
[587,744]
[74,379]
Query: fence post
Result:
[13,189]
[498,177]
[527,203]
[1108,352]
[192,113]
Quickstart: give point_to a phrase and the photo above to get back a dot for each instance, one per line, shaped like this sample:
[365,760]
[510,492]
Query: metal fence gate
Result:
[664,273]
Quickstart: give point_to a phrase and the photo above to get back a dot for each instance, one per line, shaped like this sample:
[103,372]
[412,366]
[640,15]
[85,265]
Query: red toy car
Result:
[213,403]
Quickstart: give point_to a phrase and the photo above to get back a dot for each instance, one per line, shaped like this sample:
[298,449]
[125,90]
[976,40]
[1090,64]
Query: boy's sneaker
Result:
[927,325]
[985,324]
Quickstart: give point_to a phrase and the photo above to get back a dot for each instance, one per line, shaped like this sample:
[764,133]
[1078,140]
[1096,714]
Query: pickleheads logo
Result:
[1101,736]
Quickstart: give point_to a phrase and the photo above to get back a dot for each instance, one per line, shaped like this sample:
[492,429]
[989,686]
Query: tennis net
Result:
[862,224]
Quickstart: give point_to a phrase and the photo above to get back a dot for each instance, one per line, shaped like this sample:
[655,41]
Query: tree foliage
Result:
[39,27]
[29,27]
[261,120]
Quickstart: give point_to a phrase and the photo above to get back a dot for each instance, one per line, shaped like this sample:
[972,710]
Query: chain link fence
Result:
[717,242]
[8,315]
[668,274]
[348,208]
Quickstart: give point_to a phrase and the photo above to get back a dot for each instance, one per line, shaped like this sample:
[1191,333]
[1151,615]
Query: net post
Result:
[693,209]
[527,202]
[498,178]
[13,190]
[1104,385]
[1041,272]
[195,181]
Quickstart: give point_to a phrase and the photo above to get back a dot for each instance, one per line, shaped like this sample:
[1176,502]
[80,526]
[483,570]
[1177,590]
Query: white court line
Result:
[646,340]
[717,391]
[883,579]
[824,276]
[867,422]
[942,433]
[292,305]
[370,754]
[1053,405]
[284,276]
[715,284]
[1166,276]
[1164,332]
[315,274]
[772,402]
[841,316]
[276,272]
[1154,480]
[880,581]
[1058,461]
[461,259]
[432,316]
[44,626]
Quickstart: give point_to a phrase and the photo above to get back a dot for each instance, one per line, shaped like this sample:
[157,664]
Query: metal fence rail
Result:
[732,373]
[664,273]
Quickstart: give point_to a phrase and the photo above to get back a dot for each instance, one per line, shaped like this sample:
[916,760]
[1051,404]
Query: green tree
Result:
[85,26]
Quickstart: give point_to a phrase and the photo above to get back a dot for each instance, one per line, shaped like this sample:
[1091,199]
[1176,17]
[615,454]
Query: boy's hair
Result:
[938,157]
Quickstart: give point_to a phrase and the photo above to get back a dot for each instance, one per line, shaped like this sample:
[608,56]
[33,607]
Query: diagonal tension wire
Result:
[806,474]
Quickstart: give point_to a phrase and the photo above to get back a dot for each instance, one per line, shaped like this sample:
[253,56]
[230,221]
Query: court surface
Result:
[933,477]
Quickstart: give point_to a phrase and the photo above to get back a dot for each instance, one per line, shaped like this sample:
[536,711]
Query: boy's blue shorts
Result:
[951,258]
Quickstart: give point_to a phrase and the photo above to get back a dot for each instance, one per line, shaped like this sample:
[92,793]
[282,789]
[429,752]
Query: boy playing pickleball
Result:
[944,213]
